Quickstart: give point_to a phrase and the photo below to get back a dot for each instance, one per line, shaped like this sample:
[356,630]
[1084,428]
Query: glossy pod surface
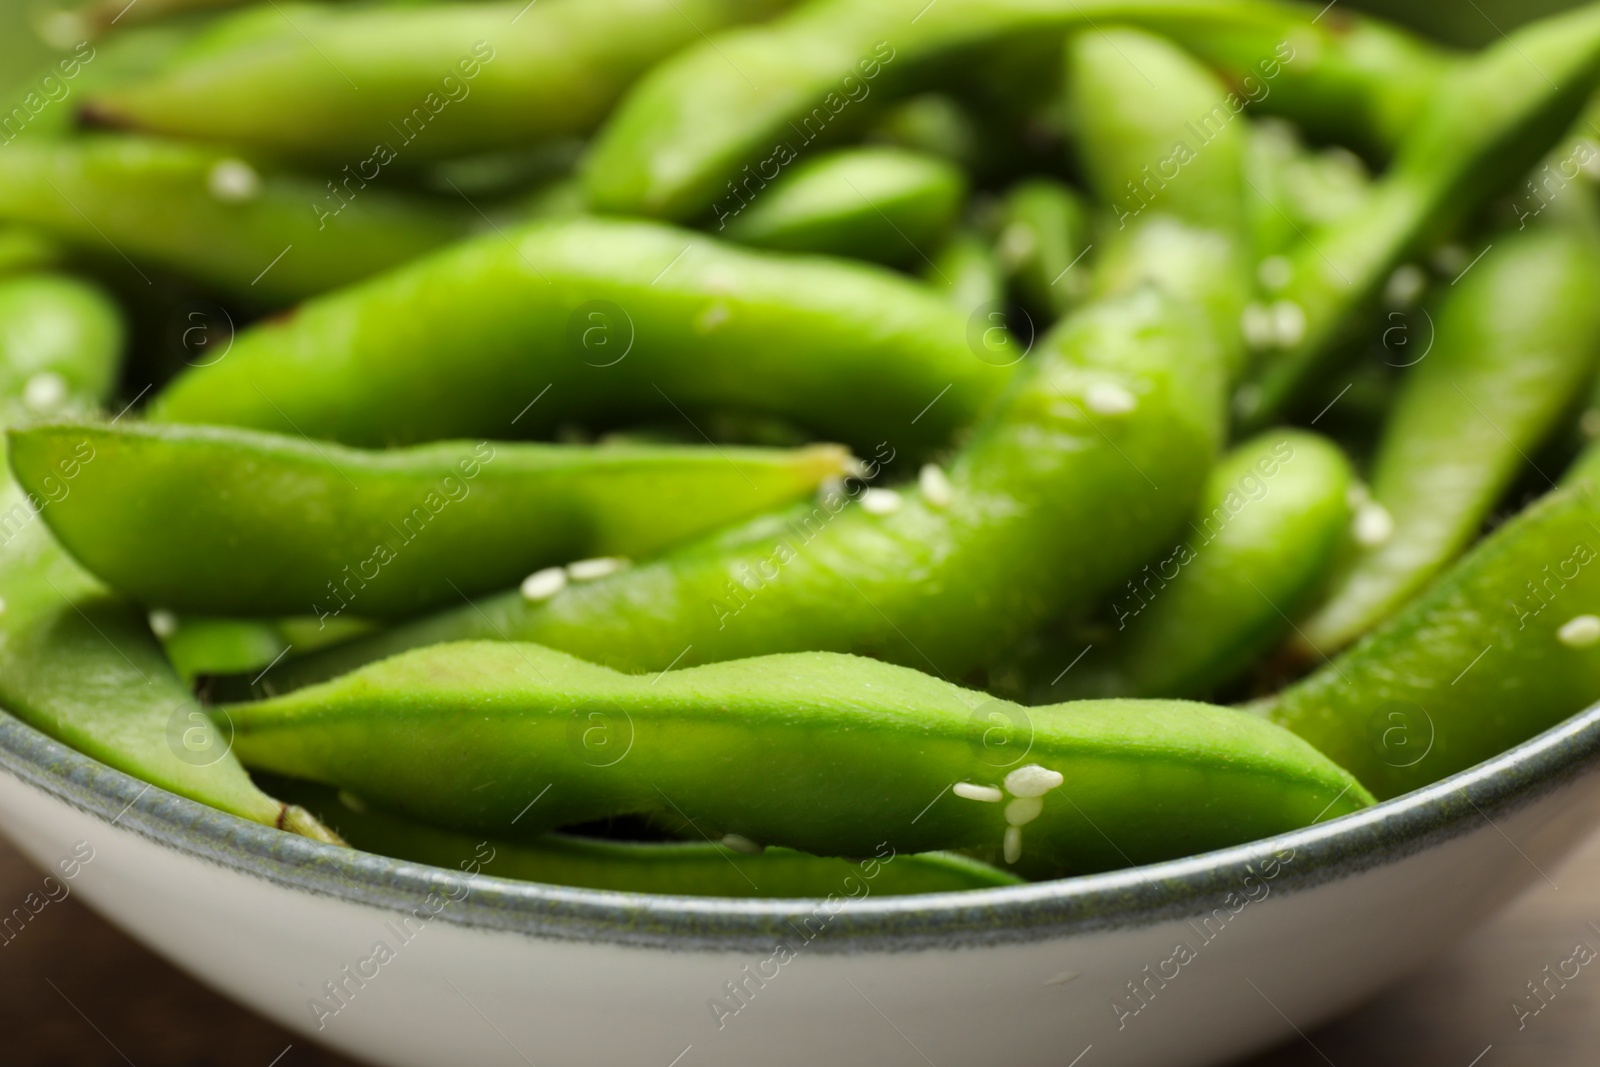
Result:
[487,726]
[298,528]
[425,81]
[1085,468]
[563,320]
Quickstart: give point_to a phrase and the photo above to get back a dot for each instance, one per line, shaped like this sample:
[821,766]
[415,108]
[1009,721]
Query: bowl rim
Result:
[1133,897]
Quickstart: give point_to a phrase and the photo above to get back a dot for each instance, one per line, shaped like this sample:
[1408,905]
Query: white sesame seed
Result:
[542,585]
[972,791]
[1288,323]
[1580,631]
[935,486]
[233,181]
[1373,526]
[1451,259]
[1023,810]
[1017,242]
[880,501]
[1405,286]
[1357,495]
[1032,781]
[587,570]
[1257,326]
[740,843]
[1275,272]
[1012,844]
[163,623]
[45,391]
[1109,398]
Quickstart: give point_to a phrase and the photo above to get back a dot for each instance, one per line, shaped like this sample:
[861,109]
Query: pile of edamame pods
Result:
[726,446]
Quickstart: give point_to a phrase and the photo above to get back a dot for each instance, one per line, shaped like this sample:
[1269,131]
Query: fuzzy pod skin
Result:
[263,236]
[293,527]
[691,124]
[1044,232]
[1513,342]
[1174,190]
[465,735]
[430,81]
[1483,660]
[691,868]
[81,665]
[1490,121]
[616,320]
[1083,471]
[61,341]
[883,205]
[1273,515]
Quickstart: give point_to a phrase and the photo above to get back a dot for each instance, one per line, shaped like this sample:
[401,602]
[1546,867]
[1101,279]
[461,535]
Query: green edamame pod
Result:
[1513,342]
[261,235]
[613,319]
[1489,122]
[1273,514]
[60,342]
[424,82]
[693,868]
[936,125]
[465,735]
[309,529]
[1501,647]
[25,249]
[1136,99]
[966,272]
[884,205]
[1044,233]
[205,646]
[695,121]
[1081,473]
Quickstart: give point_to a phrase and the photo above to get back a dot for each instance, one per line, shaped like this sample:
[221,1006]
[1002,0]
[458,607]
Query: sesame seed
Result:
[1032,781]
[1017,243]
[880,501]
[972,791]
[1275,272]
[1012,844]
[233,181]
[1373,526]
[740,843]
[163,623]
[935,486]
[45,391]
[542,585]
[1023,810]
[1288,323]
[587,570]
[1109,398]
[1257,326]
[1405,286]
[1580,631]
[1357,495]
[1451,259]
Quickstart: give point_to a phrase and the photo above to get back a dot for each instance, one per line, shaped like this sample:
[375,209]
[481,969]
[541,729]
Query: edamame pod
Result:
[936,125]
[884,205]
[966,272]
[262,235]
[1044,234]
[423,82]
[1513,342]
[1489,122]
[695,121]
[1502,646]
[310,529]
[466,735]
[80,665]
[1081,473]
[613,320]
[1273,514]
[60,342]
[694,868]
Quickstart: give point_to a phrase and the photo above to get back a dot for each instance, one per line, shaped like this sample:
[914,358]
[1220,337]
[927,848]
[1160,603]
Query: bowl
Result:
[1193,961]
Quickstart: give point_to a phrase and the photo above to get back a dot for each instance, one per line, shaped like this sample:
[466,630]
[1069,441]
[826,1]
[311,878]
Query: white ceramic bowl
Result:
[1189,962]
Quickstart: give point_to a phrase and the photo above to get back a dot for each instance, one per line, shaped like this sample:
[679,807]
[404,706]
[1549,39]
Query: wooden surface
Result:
[74,992]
